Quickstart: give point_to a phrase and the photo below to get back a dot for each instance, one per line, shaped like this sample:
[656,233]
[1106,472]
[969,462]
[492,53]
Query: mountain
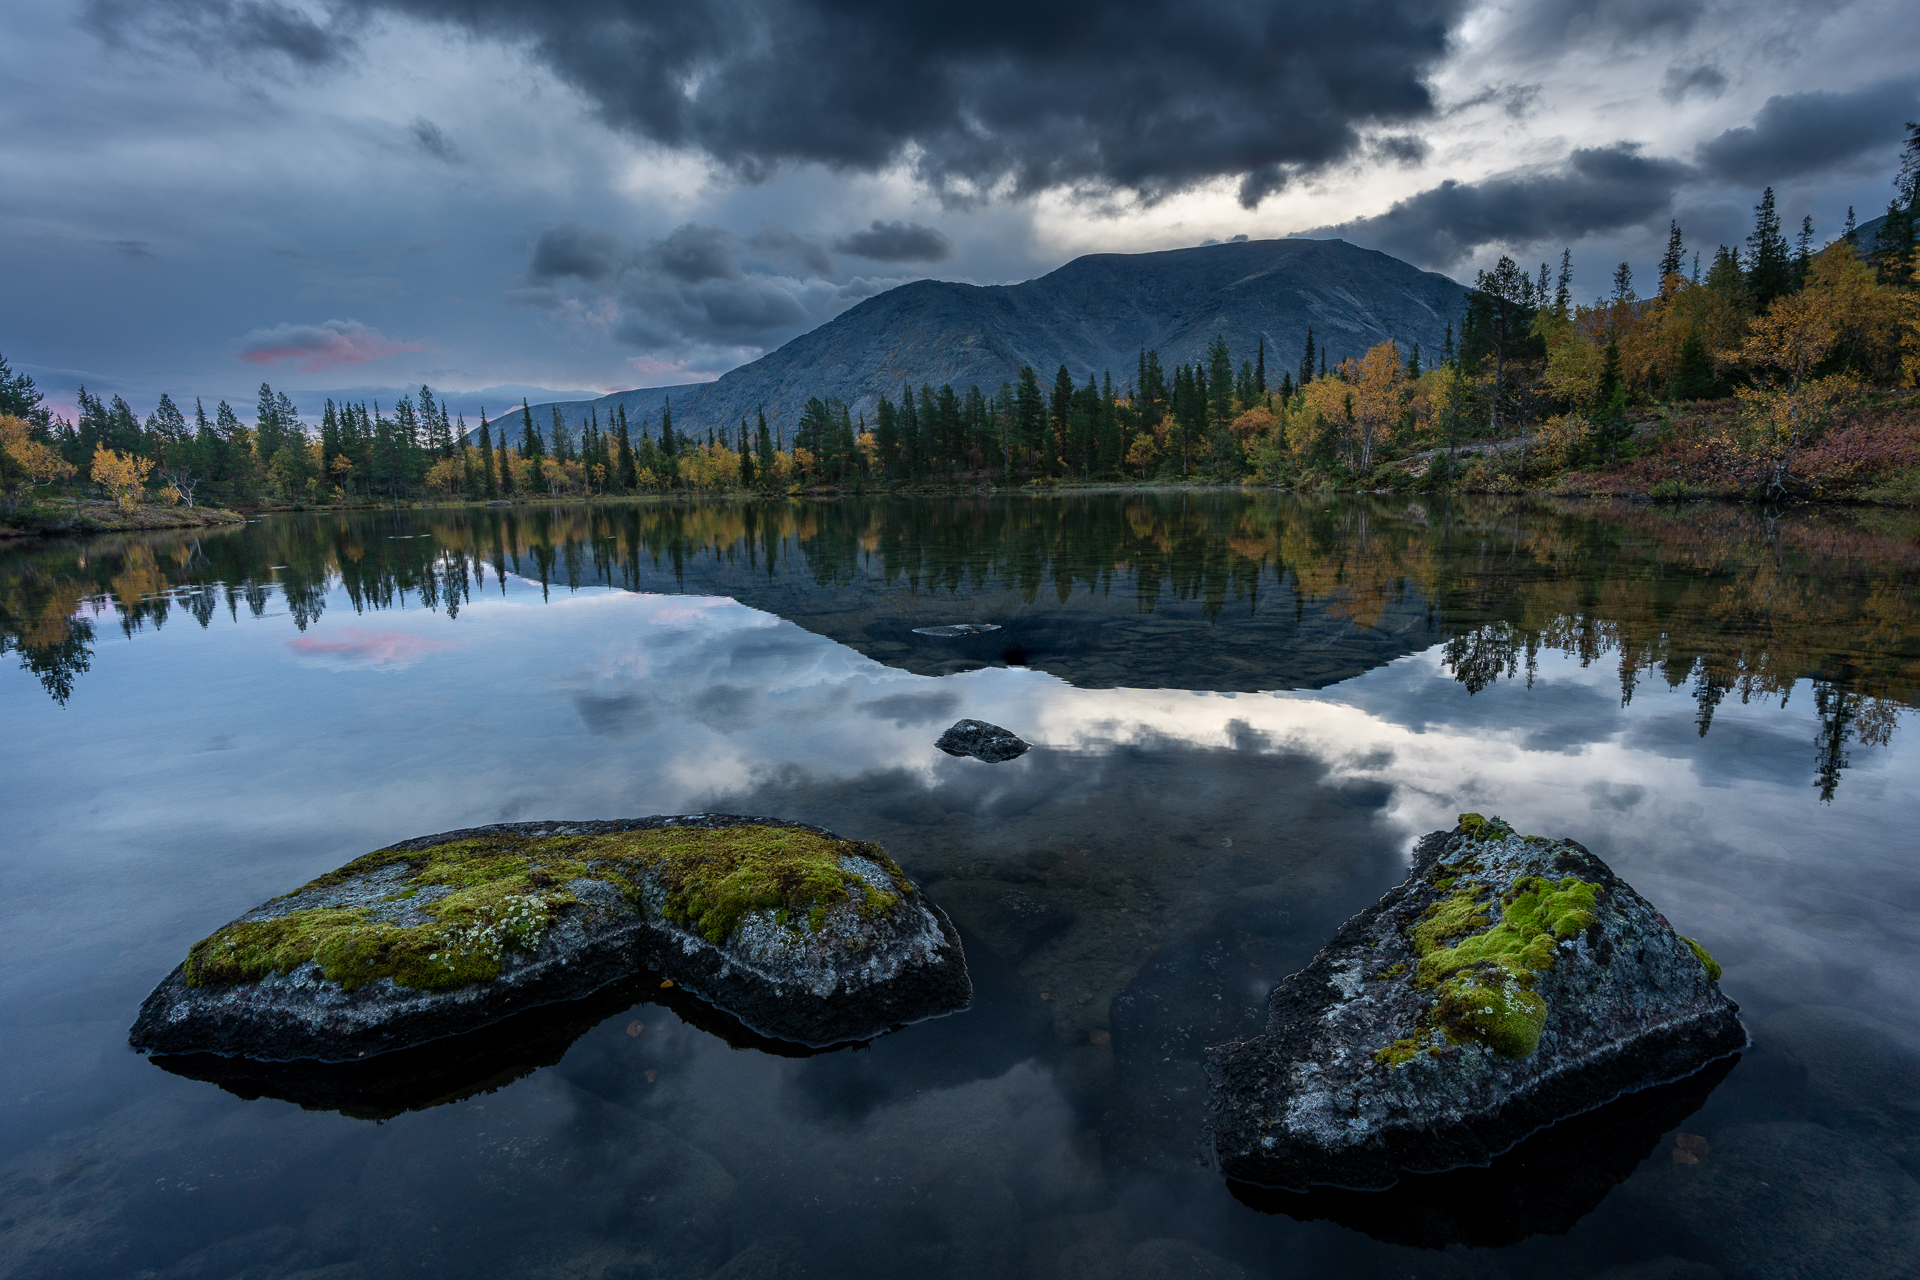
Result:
[1093,315]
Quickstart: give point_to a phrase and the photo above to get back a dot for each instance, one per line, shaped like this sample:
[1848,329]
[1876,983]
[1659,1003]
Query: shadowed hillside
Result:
[1094,315]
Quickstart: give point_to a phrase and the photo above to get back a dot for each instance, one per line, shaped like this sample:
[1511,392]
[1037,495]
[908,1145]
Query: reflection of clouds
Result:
[354,647]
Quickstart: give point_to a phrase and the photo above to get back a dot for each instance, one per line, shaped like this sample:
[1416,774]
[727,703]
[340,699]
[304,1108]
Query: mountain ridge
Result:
[1092,314]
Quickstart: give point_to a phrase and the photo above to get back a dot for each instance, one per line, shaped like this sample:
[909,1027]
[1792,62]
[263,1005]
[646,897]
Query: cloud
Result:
[1409,151]
[1598,189]
[1802,133]
[573,250]
[1702,78]
[314,347]
[897,242]
[132,248]
[432,139]
[1151,97]
[356,647]
[217,29]
[1548,27]
[685,299]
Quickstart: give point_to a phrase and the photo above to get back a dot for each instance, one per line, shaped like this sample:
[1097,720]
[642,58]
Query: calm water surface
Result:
[1245,710]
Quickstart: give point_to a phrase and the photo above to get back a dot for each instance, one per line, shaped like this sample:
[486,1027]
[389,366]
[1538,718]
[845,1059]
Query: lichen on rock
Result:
[1509,981]
[801,933]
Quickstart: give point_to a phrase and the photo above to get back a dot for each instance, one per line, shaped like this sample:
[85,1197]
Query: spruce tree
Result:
[1768,266]
[1413,364]
[668,446]
[1803,252]
[1563,286]
[763,445]
[1260,370]
[1306,360]
[1675,256]
[1219,381]
[629,474]
[504,461]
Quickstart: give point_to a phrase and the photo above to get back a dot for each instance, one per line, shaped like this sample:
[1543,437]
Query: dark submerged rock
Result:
[364,960]
[1509,982]
[982,741]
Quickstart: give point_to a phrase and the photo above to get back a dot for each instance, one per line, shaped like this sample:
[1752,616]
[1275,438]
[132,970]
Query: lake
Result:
[1245,709]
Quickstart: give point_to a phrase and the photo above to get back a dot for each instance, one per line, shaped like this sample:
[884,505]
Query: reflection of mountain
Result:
[1220,591]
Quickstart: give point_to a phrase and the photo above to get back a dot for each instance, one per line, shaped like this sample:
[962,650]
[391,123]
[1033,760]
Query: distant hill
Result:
[1094,315]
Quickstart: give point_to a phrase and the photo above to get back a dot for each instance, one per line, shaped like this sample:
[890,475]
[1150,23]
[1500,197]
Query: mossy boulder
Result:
[1509,982]
[799,933]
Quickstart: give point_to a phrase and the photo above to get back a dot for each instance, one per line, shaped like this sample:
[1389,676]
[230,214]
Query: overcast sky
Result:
[598,194]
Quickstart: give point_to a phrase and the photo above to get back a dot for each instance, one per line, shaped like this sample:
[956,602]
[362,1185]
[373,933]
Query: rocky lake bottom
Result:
[1243,711]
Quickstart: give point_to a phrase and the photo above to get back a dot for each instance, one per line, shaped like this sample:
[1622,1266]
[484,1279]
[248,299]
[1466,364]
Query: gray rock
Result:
[575,919]
[982,741]
[1509,982]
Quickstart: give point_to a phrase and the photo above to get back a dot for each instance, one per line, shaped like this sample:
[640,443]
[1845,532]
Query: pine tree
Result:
[1803,252]
[503,463]
[1623,284]
[1413,364]
[1852,233]
[1219,381]
[1306,360]
[1768,266]
[1563,286]
[1893,242]
[668,446]
[1675,256]
[1260,370]
[629,474]
[763,445]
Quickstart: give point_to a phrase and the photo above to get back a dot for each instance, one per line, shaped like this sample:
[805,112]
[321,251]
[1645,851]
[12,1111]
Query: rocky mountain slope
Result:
[1093,315]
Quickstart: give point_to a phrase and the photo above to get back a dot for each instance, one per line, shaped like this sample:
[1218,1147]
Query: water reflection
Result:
[1105,591]
[1128,890]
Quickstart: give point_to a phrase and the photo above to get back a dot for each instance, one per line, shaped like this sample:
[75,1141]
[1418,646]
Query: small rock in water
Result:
[1509,982]
[445,934]
[982,741]
[958,629]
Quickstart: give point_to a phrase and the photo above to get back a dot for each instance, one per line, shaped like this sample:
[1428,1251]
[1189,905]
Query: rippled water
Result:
[1245,709]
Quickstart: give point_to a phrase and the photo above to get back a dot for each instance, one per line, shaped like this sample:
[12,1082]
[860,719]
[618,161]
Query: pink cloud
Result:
[355,647]
[315,347]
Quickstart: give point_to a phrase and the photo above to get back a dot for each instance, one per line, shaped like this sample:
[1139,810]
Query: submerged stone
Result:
[798,933]
[956,629]
[982,741]
[1509,982]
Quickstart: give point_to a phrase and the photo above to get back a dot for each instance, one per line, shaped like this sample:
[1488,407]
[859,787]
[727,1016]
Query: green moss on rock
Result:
[492,895]
[1481,947]
[1700,953]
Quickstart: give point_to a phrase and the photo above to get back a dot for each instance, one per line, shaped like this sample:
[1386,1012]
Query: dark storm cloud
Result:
[897,242]
[1406,150]
[1150,96]
[1704,79]
[1599,189]
[573,250]
[1547,27]
[1802,133]
[683,291]
[433,140]
[215,28]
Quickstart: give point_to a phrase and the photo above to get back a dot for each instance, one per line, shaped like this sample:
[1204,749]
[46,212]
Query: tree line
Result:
[1792,334]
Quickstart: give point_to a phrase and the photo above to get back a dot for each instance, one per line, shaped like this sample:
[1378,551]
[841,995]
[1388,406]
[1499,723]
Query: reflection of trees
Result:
[1728,602]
